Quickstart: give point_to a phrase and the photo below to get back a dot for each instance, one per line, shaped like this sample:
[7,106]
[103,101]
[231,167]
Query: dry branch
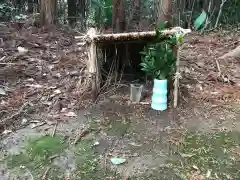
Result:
[131,36]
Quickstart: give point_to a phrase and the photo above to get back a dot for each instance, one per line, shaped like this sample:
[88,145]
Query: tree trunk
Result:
[118,25]
[81,7]
[164,10]
[30,6]
[36,6]
[72,12]
[137,13]
[18,4]
[81,12]
[48,12]
[118,16]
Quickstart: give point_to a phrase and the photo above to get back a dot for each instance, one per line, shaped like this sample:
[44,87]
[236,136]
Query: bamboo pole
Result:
[125,36]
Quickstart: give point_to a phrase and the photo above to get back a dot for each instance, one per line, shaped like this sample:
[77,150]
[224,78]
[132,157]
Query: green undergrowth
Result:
[212,156]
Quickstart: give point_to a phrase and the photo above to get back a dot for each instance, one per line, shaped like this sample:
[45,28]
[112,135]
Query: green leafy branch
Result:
[158,58]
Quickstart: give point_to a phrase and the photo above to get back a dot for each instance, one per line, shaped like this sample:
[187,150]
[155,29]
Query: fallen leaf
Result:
[187,155]
[229,177]
[57,91]
[195,167]
[70,114]
[63,110]
[3,92]
[37,124]
[24,121]
[22,50]
[208,173]
[134,144]
[49,103]
[199,86]
[5,132]
[117,161]
[34,85]
[96,143]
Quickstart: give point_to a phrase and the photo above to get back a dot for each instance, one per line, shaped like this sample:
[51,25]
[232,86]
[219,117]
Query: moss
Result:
[37,156]
[45,146]
[118,127]
[87,163]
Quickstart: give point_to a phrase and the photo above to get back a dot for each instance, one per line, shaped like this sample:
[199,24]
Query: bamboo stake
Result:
[93,68]
[176,84]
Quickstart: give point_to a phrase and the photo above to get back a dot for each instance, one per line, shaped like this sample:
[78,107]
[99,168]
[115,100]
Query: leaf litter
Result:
[41,68]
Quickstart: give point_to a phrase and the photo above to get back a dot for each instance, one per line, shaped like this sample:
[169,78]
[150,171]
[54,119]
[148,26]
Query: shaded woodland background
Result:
[121,15]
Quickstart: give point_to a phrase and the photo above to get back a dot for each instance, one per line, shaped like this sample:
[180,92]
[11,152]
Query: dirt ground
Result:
[43,115]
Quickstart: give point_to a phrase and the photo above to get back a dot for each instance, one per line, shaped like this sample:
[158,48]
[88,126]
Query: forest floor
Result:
[50,131]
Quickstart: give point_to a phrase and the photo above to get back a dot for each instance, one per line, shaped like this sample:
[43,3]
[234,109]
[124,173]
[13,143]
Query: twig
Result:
[2,58]
[51,158]
[219,69]
[232,43]
[38,125]
[7,63]
[7,119]
[84,132]
[46,173]
[55,128]
[219,13]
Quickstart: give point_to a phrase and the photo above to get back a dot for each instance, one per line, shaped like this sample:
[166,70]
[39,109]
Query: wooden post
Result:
[93,68]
